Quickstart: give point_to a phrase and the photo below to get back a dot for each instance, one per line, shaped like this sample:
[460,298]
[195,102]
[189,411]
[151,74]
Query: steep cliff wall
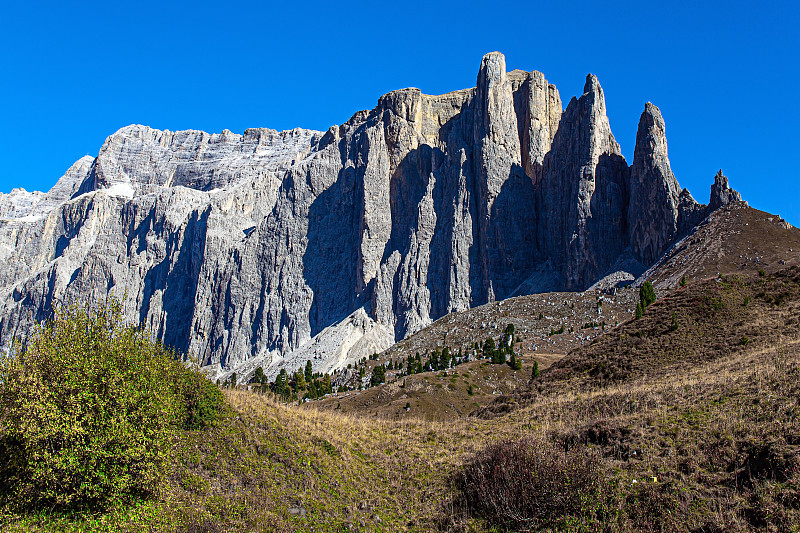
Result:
[274,248]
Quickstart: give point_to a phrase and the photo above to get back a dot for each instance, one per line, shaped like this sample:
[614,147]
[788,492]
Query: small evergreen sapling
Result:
[535,372]
[674,325]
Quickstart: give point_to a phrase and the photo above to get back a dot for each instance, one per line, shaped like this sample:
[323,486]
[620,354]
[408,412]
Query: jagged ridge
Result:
[241,249]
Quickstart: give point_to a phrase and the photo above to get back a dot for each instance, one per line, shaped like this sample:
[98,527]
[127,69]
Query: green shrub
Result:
[88,411]
[202,400]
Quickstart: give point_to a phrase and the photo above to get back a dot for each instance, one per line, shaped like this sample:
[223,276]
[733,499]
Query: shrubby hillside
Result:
[685,419]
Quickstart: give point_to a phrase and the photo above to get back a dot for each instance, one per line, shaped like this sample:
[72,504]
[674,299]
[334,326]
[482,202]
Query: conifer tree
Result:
[488,347]
[258,376]
[378,376]
[300,382]
[647,294]
[309,373]
[282,384]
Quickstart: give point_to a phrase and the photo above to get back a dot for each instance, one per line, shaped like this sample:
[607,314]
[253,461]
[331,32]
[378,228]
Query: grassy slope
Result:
[567,309]
[735,239]
[437,395]
[698,431]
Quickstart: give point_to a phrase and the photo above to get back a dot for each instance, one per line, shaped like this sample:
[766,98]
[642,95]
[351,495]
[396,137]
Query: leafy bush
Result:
[88,411]
[202,401]
[529,484]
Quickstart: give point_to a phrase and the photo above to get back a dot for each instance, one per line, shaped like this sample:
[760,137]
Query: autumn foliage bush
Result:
[89,408]
[529,485]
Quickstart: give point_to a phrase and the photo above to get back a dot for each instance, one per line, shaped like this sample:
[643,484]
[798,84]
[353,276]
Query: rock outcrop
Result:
[584,192]
[721,193]
[654,209]
[275,248]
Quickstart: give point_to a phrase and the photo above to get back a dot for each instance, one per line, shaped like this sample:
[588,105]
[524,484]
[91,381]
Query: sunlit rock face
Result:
[275,248]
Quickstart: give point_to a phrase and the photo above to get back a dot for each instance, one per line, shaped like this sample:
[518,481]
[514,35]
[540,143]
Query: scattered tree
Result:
[647,294]
[309,372]
[378,376]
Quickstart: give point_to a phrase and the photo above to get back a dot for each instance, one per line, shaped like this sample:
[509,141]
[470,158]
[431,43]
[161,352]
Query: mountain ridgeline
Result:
[274,248]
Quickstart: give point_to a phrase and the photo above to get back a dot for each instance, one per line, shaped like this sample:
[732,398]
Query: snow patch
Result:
[124,190]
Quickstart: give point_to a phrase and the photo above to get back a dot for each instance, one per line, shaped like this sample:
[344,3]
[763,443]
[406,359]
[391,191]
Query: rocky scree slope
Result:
[274,248]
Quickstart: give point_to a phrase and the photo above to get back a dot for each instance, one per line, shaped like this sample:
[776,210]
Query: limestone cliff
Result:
[274,248]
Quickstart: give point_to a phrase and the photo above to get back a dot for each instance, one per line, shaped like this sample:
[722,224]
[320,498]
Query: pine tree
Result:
[535,371]
[639,309]
[258,376]
[325,385]
[378,376]
[309,373]
[647,294]
[488,347]
[499,356]
[282,384]
[300,382]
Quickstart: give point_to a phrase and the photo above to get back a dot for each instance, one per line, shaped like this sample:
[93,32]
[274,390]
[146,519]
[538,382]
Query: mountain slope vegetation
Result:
[689,429]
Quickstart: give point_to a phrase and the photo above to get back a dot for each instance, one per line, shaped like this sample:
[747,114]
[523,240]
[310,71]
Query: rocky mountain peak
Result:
[592,86]
[721,193]
[585,191]
[492,71]
[276,248]
[653,211]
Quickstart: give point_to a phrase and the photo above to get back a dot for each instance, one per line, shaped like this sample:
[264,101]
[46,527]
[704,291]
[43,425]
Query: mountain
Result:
[274,248]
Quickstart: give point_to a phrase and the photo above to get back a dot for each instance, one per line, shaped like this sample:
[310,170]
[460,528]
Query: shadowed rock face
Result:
[274,248]
[653,213]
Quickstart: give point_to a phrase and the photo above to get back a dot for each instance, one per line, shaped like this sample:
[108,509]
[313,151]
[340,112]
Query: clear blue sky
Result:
[725,74]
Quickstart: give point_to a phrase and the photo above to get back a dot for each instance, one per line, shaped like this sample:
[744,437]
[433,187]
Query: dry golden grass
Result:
[701,439]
